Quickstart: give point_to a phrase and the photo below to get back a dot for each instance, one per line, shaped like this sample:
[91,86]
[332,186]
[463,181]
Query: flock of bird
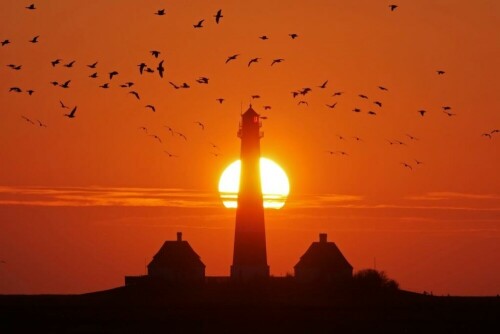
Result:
[147,69]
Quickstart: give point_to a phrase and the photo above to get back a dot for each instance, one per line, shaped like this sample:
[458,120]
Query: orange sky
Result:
[85,201]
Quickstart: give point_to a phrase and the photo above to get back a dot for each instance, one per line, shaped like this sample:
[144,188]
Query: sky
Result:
[85,201]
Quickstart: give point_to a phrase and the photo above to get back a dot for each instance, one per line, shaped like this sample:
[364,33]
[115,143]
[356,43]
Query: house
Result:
[323,262]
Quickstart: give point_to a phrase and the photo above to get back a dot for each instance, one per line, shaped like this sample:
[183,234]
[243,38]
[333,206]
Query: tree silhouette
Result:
[371,280]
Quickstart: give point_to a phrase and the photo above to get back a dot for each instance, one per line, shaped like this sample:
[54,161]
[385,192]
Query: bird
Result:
[342,152]
[170,155]
[129,84]
[105,85]
[422,112]
[323,85]
[293,36]
[72,113]
[255,96]
[253,60]
[66,84]
[495,131]
[202,126]
[54,83]
[378,103]
[169,129]
[363,96]
[160,12]
[406,165]
[70,64]
[382,88]
[63,106]
[263,37]
[141,67]
[341,137]
[15,89]
[28,120]
[202,80]
[135,94]
[185,85]
[295,94]
[214,146]
[449,113]
[418,162]
[143,128]
[278,60]
[356,110]
[446,108]
[411,137]
[93,75]
[181,135]
[357,138]
[15,67]
[215,154]
[160,69]
[440,72]
[55,62]
[34,39]
[30,92]
[155,53]
[305,91]
[337,93]
[393,7]
[331,106]
[174,85]
[151,107]
[220,100]
[41,124]
[5,42]
[372,113]
[31,7]
[156,137]
[92,65]
[218,16]
[233,57]
[199,24]
[486,135]
[149,70]
[112,74]
[400,142]
[267,107]
[303,102]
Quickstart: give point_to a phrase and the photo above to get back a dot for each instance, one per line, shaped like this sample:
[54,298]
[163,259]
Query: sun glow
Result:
[274,182]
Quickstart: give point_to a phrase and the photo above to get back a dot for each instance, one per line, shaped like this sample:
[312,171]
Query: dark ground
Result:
[225,308]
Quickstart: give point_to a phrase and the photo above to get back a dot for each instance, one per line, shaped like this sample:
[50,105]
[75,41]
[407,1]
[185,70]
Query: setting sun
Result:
[275,185]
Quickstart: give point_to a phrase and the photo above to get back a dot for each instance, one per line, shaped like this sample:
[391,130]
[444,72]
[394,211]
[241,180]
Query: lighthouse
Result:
[250,257]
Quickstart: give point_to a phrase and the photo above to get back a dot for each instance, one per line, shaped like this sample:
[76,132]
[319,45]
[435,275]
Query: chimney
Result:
[179,236]
[322,238]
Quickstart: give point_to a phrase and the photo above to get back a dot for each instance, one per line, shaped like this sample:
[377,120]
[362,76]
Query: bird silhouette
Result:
[305,91]
[202,126]
[149,70]
[323,85]
[488,135]
[112,74]
[382,88]
[93,75]
[170,155]
[55,62]
[70,64]
[331,106]
[160,12]
[264,37]
[406,165]
[54,83]
[440,72]
[40,124]
[449,113]
[185,85]
[142,66]
[411,137]
[174,85]
[199,24]
[135,94]
[28,120]
[233,57]
[72,113]
[170,129]
[66,84]
[155,53]
[357,138]
[220,100]
[5,42]
[337,93]
[15,89]
[30,91]
[418,162]
[253,60]
[160,69]
[393,7]
[34,39]
[378,103]
[278,60]
[422,112]
[92,65]
[181,135]
[63,106]
[105,85]
[303,102]
[341,137]
[293,36]
[156,137]
[15,67]
[372,113]
[295,94]
[495,131]
[202,80]
[31,7]
[446,108]
[151,107]
[143,128]
[218,16]
[356,110]
[363,96]
[255,96]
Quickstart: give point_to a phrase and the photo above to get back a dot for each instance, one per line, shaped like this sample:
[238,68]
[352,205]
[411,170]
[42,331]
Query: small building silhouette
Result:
[323,262]
[176,262]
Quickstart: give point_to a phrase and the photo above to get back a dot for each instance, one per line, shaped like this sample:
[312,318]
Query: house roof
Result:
[176,254]
[323,254]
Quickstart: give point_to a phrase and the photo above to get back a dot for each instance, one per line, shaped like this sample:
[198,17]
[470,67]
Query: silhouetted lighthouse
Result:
[249,258]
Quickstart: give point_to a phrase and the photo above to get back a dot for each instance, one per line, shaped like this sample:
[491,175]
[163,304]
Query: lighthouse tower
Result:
[250,258]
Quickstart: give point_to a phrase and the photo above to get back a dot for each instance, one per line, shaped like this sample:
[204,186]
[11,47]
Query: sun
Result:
[274,182]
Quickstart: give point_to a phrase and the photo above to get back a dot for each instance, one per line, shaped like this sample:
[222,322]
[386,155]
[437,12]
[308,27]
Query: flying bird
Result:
[149,70]
[15,89]
[293,36]
[30,92]
[449,113]
[303,102]
[160,69]
[156,137]
[199,24]
[155,53]
[55,62]
[337,93]
[331,106]
[92,65]
[382,88]
[34,39]
[295,94]
[486,135]
[323,85]
[411,137]
[66,84]
[357,138]
[263,37]
[70,64]
[151,107]
[31,7]
[218,16]
[105,85]
[406,165]
[253,60]
[185,85]
[143,128]
[135,94]
[174,85]
[93,75]
[422,112]
[393,7]
[72,113]
[418,162]
[202,80]
[363,96]
[41,124]
[356,110]
[202,126]
[169,129]
[170,155]
[255,96]
[160,12]
[233,57]
[372,113]
[54,83]
[181,135]
[63,106]
[112,74]
[446,108]
[15,67]
[378,103]
[28,120]
[278,60]
[440,72]
[220,100]
[142,66]
[5,42]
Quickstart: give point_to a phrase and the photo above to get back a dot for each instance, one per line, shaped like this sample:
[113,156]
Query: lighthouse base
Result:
[247,273]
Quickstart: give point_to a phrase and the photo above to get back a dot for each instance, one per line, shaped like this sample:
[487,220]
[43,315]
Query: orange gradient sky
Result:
[85,201]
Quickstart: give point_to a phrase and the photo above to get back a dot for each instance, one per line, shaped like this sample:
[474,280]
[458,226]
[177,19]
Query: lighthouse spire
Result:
[250,257]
